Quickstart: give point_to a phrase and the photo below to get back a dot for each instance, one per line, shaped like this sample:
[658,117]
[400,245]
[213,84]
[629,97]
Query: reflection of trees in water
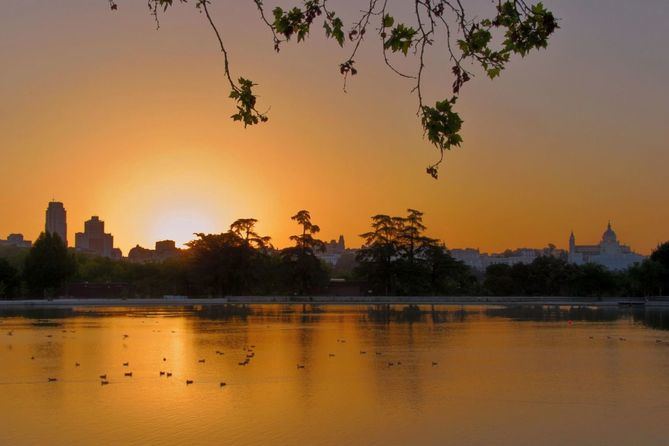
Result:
[306,313]
[551,313]
[384,314]
[653,318]
[414,313]
[38,313]
[223,312]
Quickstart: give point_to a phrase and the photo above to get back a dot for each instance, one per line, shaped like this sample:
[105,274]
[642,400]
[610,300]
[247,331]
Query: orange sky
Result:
[101,111]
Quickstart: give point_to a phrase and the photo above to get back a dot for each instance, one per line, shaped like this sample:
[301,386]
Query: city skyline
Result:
[104,243]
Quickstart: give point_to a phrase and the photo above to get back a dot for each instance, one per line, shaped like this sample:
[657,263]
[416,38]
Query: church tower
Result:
[572,243]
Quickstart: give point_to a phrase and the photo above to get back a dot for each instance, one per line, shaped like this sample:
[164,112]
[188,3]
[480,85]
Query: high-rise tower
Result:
[56,220]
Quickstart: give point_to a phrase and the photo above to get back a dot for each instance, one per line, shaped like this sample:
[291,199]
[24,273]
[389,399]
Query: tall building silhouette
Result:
[56,220]
[94,240]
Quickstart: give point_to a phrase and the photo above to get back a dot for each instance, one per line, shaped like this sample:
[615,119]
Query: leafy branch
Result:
[517,27]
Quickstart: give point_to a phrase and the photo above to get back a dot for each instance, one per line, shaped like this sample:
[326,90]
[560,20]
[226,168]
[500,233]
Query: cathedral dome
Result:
[609,235]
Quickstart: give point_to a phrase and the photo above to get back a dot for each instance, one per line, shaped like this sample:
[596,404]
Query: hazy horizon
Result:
[115,119]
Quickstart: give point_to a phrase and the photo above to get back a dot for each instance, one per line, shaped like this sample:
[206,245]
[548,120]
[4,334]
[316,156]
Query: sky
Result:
[103,112]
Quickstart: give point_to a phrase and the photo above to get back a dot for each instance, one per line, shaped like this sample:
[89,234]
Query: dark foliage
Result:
[48,265]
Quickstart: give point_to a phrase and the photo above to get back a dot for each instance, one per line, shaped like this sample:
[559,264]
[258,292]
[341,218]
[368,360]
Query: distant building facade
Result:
[16,241]
[609,252]
[333,251]
[165,249]
[56,220]
[480,261]
[94,240]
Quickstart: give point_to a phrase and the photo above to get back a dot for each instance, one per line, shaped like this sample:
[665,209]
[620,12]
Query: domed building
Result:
[609,253]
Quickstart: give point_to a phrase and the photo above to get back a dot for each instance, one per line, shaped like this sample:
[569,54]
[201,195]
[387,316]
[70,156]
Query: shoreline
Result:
[661,302]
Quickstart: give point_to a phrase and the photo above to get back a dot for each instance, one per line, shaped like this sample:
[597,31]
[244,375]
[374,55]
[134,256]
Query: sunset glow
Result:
[113,118]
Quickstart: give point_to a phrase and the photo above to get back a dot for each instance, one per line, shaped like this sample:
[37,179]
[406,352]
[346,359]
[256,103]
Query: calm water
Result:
[503,376]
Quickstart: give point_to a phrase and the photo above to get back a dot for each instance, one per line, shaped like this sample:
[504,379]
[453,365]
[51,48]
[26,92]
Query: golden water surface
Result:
[450,375]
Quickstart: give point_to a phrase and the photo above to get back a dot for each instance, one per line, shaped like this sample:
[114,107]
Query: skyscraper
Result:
[56,220]
[95,240]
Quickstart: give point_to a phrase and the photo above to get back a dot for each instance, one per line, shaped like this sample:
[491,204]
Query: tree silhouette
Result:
[303,272]
[48,265]
[306,240]
[397,258]
[244,228]
[515,27]
[9,279]
[228,263]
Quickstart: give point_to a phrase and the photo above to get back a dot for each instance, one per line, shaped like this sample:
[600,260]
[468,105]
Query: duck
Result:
[53,380]
[300,366]
[390,364]
[168,374]
[331,355]
[162,373]
[128,374]
[76,364]
[103,376]
[363,352]
[189,382]
[104,382]
[126,364]
[201,361]
[434,363]
[223,384]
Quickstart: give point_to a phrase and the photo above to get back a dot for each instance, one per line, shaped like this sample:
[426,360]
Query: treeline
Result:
[551,276]
[396,258]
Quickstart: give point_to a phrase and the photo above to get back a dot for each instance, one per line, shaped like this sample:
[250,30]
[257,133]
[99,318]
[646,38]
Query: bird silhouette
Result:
[189,381]
[128,374]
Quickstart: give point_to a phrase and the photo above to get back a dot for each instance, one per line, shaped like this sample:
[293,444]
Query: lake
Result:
[334,375]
